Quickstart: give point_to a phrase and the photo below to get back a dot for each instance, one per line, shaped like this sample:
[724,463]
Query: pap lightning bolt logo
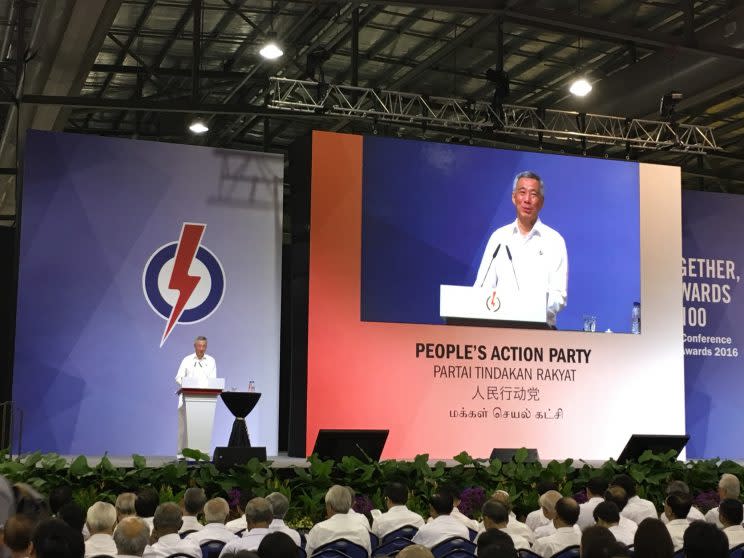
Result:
[183,282]
[180,280]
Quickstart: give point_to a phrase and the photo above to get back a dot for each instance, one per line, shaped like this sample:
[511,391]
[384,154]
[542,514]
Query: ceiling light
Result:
[198,127]
[580,87]
[271,50]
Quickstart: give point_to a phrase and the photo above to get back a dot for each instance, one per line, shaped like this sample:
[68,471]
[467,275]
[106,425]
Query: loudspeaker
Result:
[224,458]
[365,445]
[507,454]
[657,443]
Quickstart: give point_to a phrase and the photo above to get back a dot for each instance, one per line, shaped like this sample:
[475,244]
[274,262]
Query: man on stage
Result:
[527,255]
[199,366]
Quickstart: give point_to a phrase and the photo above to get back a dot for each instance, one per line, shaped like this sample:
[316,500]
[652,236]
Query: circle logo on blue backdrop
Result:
[183,282]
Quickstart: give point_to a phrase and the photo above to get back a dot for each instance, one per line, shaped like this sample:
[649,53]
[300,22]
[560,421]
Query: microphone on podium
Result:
[514,271]
[495,253]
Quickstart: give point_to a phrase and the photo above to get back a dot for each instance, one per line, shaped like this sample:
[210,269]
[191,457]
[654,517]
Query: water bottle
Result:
[635,326]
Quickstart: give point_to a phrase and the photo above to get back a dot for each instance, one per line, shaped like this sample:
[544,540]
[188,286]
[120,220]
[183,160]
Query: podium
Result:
[239,449]
[197,412]
[489,307]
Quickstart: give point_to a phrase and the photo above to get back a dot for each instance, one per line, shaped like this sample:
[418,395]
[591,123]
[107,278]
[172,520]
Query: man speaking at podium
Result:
[527,252]
[200,366]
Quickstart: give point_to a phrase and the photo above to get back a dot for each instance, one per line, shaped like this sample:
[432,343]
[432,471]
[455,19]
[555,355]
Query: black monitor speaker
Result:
[362,444]
[657,443]
[226,457]
[507,454]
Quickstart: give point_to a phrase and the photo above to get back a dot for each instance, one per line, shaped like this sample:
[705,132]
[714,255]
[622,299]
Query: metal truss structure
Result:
[463,116]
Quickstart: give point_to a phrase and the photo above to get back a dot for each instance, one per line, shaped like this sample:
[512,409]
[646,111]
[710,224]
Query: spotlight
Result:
[580,87]
[198,126]
[500,80]
[668,104]
[314,62]
[271,50]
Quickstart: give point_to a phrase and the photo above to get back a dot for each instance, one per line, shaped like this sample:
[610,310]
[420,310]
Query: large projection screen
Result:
[442,389]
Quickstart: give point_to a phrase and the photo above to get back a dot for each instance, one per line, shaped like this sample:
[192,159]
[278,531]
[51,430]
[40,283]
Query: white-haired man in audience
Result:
[167,521]
[514,527]
[100,521]
[728,487]
[258,517]
[680,486]
[279,506]
[193,504]
[397,515]
[566,532]
[443,525]
[547,505]
[215,513]
[496,516]
[536,519]
[339,525]
[676,507]
[131,537]
[125,505]
[731,515]
[637,509]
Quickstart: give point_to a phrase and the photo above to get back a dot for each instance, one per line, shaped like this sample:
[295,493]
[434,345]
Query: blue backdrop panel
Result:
[714,314]
[90,373]
[429,210]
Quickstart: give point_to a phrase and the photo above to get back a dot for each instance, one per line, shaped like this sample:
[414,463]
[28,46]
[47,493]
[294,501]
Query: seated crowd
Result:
[613,522]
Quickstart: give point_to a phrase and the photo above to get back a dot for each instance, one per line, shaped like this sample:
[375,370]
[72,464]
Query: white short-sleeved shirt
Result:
[172,544]
[440,528]
[193,367]
[338,526]
[395,518]
[562,538]
[212,532]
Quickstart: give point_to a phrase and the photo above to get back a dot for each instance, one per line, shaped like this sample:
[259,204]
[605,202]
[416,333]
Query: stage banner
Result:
[714,318]
[398,225]
[129,251]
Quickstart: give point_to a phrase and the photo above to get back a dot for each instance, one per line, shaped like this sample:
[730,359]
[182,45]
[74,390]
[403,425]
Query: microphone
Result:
[514,271]
[495,253]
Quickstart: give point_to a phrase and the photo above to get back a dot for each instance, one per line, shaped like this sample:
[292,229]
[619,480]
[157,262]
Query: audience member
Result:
[355,515]
[72,514]
[596,542]
[397,515]
[215,513]
[606,514]
[167,521]
[547,505]
[125,505]
[595,489]
[58,497]
[146,503]
[279,507]
[618,496]
[455,492]
[443,525]
[680,486]
[676,507]
[415,551]
[236,523]
[496,516]
[193,504]
[728,488]
[705,540]
[514,527]
[258,517]
[566,534]
[652,540]
[53,538]
[100,520]
[496,544]
[17,535]
[339,524]
[537,518]
[731,515]
[277,545]
[637,509]
[131,536]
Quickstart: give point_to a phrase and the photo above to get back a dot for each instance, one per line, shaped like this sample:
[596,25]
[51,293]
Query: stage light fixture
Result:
[271,50]
[668,104]
[580,87]
[198,127]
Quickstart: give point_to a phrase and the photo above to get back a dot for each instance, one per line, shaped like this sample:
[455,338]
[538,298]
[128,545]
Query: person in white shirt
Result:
[456,513]
[680,486]
[595,489]
[192,505]
[355,515]
[199,366]
[146,503]
[514,527]
[339,525]
[258,517]
[100,520]
[215,513]
[728,487]
[731,516]
[676,507]
[618,496]
[496,516]
[17,536]
[166,523]
[566,516]
[637,509]
[704,540]
[131,537]
[279,507]
[547,506]
[443,525]
[527,252]
[397,515]
[537,518]
[125,505]
[607,514]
